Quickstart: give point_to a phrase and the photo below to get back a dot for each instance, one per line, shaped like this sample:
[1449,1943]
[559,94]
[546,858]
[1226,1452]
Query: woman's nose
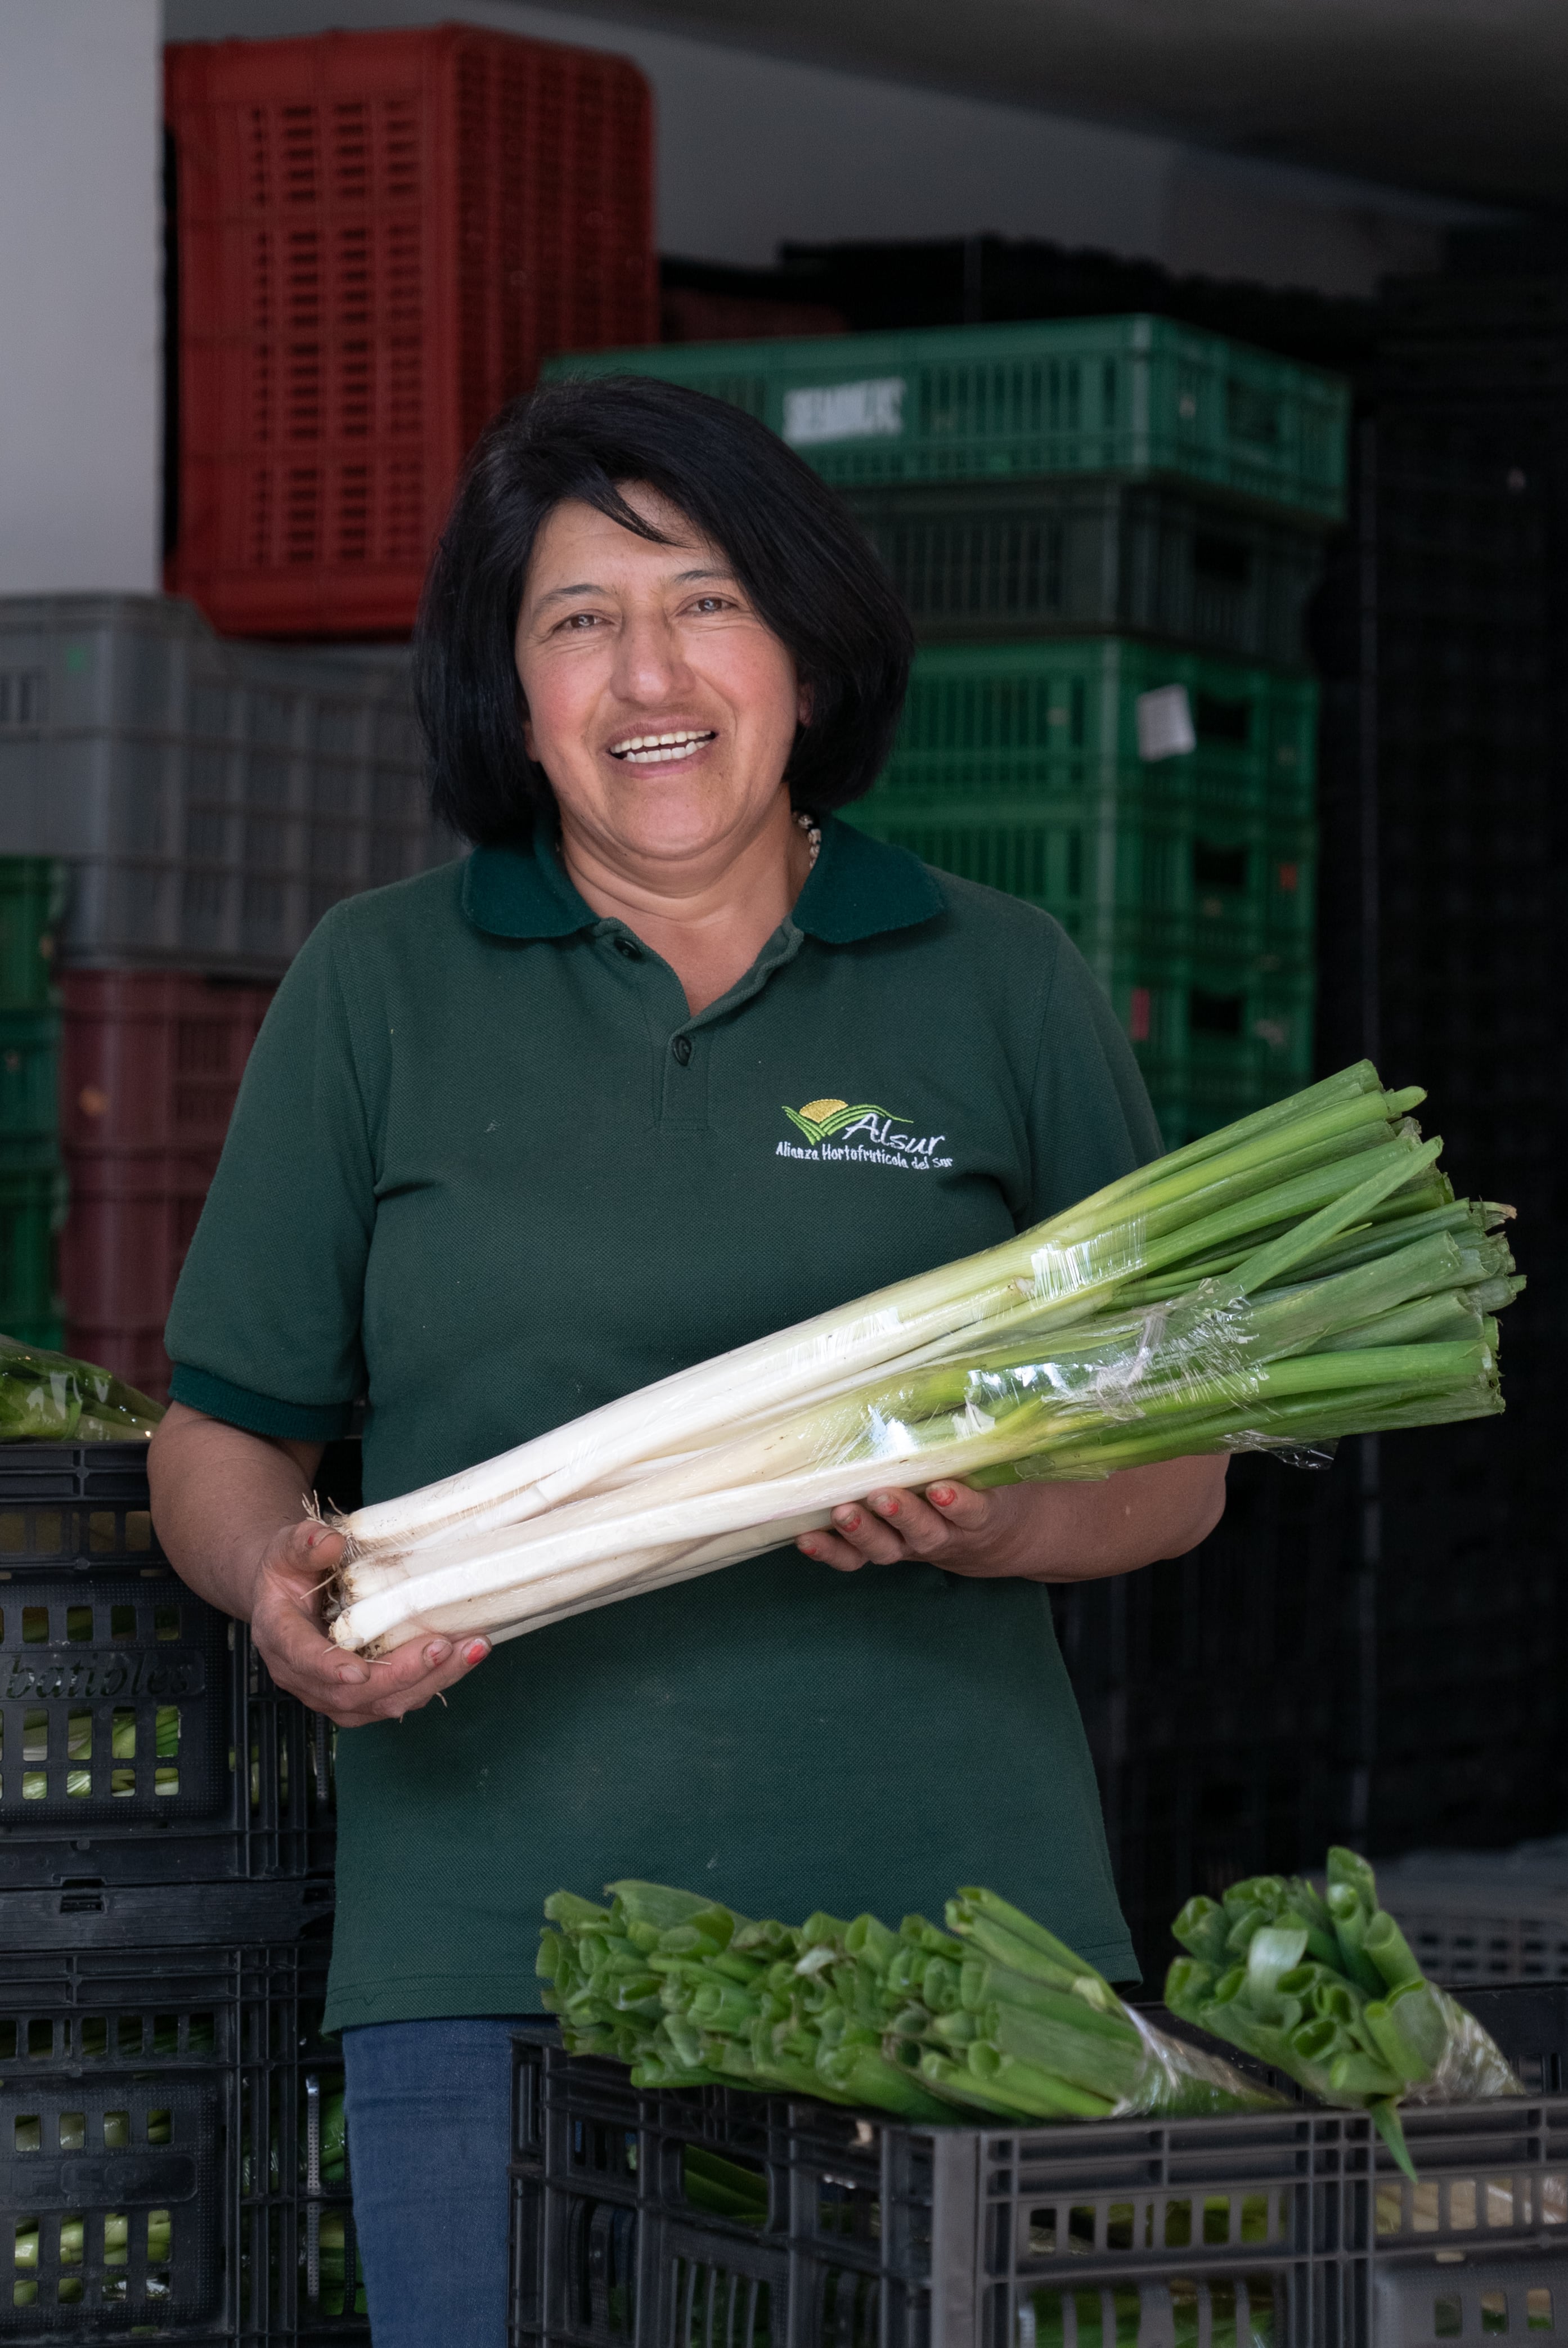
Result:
[649,664]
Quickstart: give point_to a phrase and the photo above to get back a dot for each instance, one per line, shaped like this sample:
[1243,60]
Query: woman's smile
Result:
[662,749]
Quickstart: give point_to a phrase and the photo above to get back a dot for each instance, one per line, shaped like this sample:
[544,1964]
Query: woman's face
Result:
[659,706]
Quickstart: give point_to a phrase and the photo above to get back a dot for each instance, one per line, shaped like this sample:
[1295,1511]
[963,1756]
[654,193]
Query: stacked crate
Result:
[1106,532]
[379,235]
[171,2156]
[32,1192]
[647,2217]
[204,802]
[1446,786]
[376,237]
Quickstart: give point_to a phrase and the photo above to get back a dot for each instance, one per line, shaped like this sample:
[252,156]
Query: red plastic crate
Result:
[152,1059]
[379,237]
[150,1065]
[130,1221]
[136,1356]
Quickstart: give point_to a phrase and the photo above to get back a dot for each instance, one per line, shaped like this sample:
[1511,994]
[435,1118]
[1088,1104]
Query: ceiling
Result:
[1466,97]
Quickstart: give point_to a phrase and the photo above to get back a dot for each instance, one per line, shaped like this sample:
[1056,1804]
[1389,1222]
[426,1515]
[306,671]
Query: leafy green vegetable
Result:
[1329,1992]
[993,2015]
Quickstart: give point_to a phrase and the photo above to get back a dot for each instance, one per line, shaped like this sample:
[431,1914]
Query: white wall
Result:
[755,150]
[80,298]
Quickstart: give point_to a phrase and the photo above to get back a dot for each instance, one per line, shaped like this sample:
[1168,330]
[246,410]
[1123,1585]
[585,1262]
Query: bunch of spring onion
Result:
[70,2289]
[48,1398]
[122,1748]
[1324,1986]
[1303,1274]
[993,2016]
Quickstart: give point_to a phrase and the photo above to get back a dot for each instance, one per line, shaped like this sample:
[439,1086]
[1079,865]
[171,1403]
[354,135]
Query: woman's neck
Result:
[708,916]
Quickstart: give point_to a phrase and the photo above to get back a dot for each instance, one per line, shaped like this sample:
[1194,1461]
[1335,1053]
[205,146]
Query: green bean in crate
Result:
[1141,395]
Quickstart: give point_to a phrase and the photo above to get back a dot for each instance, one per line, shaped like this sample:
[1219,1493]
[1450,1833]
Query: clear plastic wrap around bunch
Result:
[992,2018]
[1305,1274]
[1324,1987]
[51,1398]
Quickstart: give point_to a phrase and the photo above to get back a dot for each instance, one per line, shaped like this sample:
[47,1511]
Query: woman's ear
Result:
[803,704]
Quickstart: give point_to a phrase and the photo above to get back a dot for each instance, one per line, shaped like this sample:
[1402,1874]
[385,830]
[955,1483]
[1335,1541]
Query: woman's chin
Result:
[677,818]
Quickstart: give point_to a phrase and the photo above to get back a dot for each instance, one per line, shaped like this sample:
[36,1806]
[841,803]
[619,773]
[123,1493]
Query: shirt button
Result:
[681,1047]
[629,947]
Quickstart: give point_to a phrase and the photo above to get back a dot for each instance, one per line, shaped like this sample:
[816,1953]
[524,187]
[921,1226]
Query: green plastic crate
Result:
[32,1208]
[1137,396]
[46,1334]
[980,559]
[995,721]
[29,1087]
[1215,1038]
[1017,764]
[32,901]
[1118,884]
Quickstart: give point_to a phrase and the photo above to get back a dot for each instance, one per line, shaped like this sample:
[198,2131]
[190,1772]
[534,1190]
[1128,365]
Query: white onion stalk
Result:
[1020,1354]
[906,1431]
[1059,1270]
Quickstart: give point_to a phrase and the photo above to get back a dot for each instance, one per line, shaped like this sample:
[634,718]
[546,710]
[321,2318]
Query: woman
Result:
[513,1141]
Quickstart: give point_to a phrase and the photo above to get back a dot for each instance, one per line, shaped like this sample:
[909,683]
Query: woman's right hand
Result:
[286,1623]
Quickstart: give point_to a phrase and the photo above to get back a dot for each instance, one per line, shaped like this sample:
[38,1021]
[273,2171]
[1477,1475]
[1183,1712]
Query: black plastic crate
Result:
[1292,2228]
[152,1776]
[1051,556]
[1223,1693]
[166,2121]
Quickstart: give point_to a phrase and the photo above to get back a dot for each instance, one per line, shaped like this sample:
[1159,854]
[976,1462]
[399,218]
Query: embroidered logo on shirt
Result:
[864,1134]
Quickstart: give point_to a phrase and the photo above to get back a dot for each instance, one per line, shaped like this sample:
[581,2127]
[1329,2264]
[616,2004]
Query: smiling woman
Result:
[519,1139]
[663,709]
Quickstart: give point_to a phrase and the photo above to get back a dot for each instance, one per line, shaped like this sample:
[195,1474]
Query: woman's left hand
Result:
[1034,1531]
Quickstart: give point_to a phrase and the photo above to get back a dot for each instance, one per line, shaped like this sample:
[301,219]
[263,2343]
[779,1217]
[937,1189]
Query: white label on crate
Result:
[1165,728]
[844,411]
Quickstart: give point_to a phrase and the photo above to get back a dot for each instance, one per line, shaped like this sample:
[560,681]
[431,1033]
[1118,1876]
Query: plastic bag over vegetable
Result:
[1324,1986]
[52,1398]
[993,2017]
[1306,1274]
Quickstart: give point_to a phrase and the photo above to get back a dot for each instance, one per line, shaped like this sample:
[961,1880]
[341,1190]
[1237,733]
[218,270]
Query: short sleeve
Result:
[1089,1116]
[264,1330]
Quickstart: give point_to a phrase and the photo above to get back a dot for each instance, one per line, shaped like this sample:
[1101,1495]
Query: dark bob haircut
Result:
[796,550]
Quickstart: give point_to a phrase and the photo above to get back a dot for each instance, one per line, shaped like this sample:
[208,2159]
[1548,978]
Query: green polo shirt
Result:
[487,1171]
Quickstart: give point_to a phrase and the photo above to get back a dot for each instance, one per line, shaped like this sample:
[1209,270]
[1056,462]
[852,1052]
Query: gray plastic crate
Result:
[719,2220]
[1097,555]
[211,798]
[1476,1916]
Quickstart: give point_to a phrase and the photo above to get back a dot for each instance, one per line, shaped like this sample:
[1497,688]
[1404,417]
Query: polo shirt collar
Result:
[857,888]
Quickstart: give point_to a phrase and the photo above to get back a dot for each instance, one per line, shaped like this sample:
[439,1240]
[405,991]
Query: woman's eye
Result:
[711,604]
[581,622]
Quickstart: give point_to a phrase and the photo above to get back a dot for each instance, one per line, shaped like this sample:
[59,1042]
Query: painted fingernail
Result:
[885,1504]
[848,1517]
[942,1495]
[351,1675]
[437,1651]
[811,1547]
[476,1651]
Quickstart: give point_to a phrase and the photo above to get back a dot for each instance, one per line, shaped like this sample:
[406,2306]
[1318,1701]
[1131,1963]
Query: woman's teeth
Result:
[651,749]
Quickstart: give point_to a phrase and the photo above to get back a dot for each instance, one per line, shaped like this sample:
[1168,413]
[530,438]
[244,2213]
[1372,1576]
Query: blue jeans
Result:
[429,2136]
